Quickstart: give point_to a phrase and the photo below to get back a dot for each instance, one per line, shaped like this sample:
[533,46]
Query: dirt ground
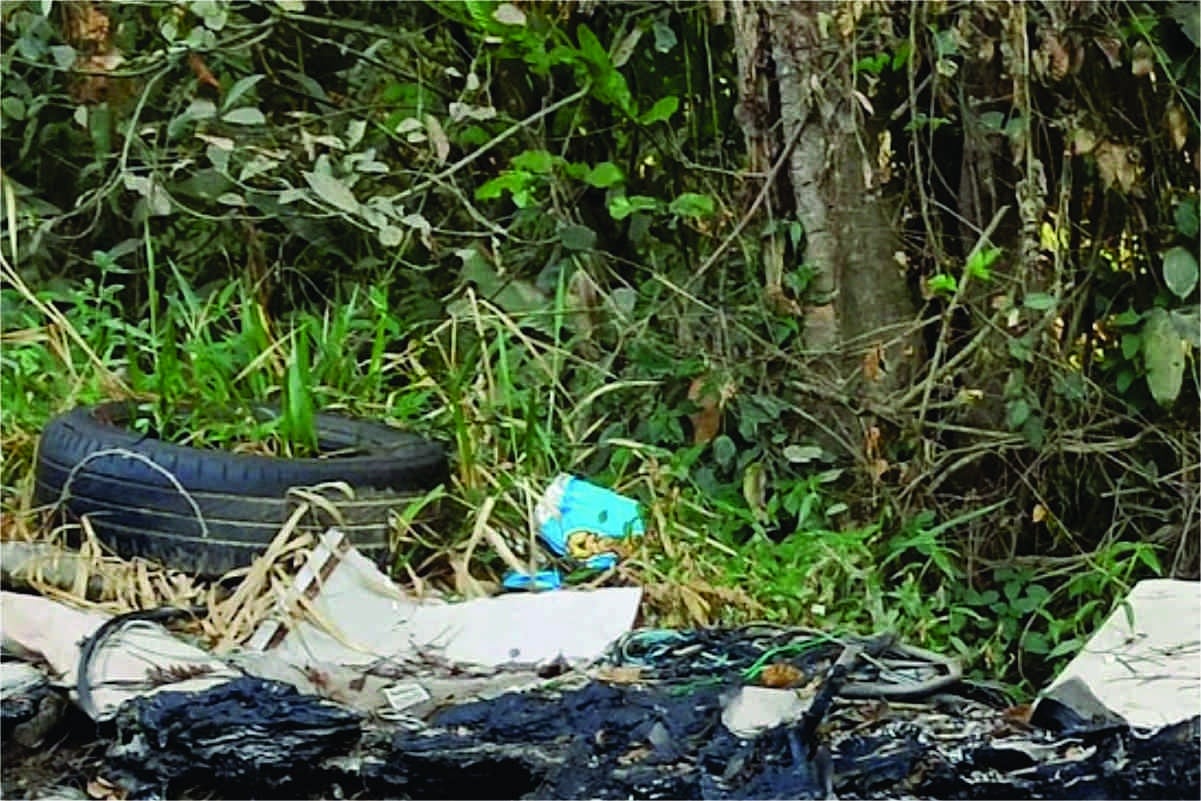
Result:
[62,767]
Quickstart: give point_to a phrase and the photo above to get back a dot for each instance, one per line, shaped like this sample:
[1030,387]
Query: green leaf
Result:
[1131,344]
[1065,647]
[691,204]
[605,175]
[1147,556]
[1123,381]
[992,121]
[298,408]
[1020,349]
[247,115]
[800,454]
[901,57]
[1128,317]
[1016,127]
[1163,355]
[873,64]
[13,107]
[1017,413]
[1039,301]
[920,121]
[64,55]
[512,181]
[665,37]
[577,237]
[942,284]
[621,206]
[622,301]
[1034,431]
[536,161]
[1180,272]
[241,87]
[612,88]
[661,111]
[1038,593]
[332,191]
[1188,220]
[1188,324]
[1035,643]
[1185,14]
[724,450]
[592,49]
[979,262]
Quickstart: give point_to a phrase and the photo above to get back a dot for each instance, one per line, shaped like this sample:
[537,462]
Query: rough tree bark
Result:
[797,87]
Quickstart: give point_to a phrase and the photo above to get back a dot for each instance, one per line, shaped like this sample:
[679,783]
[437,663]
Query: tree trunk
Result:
[797,87]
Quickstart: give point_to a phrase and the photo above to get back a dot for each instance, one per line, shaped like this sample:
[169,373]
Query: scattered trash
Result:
[624,742]
[106,660]
[355,687]
[581,522]
[587,522]
[1143,666]
[779,656]
[754,710]
[207,510]
[542,580]
[358,622]
[30,708]
[242,734]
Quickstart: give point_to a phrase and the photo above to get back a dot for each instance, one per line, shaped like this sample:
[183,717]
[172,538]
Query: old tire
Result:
[209,511]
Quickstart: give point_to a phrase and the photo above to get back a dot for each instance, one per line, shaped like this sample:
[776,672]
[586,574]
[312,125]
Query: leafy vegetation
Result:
[526,230]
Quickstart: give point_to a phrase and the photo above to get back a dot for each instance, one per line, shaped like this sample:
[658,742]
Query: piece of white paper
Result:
[753,710]
[1148,674]
[138,659]
[373,618]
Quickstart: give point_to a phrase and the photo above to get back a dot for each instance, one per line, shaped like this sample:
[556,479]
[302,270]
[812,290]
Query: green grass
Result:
[516,404]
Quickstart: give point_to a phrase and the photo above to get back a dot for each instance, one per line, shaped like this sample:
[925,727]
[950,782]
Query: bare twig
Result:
[768,180]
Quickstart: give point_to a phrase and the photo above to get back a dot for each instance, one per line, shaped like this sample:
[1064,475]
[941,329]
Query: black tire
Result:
[123,481]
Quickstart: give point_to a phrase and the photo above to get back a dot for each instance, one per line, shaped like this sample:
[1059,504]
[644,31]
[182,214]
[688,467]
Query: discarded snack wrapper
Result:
[542,580]
[587,523]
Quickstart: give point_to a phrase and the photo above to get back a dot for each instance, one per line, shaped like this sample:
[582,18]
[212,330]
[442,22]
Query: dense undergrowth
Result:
[492,223]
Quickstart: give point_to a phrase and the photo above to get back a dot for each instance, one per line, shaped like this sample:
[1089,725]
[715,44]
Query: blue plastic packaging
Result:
[587,523]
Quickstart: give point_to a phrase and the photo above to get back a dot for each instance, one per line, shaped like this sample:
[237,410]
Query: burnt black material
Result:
[241,739]
[252,738]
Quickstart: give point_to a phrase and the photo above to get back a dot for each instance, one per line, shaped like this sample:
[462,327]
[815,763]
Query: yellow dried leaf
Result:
[1039,514]
[878,468]
[102,788]
[873,363]
[871,442]
[781,675]
[437,138]
[619,674]
[696,606]
[1177,123]
[711,397]
[1120,166]
[1055,56]
[1084,141]
[1142,62]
